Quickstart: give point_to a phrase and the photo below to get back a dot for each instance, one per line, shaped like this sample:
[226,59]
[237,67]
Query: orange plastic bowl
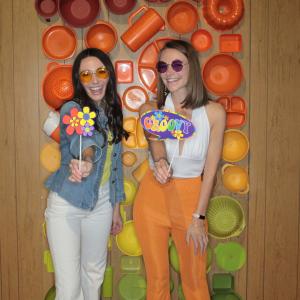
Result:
[59,42]
[79,13]
[102,36]
[235,146]
[222,74]
[57,85]
[134,97]
[201,40]
[182,17]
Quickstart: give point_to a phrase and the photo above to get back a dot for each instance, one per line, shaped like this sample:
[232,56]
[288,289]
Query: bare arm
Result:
[217,119]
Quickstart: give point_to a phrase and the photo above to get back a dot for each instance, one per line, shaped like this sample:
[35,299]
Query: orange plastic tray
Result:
[235,110]
[147,63]
[124,71]
[59,42]
[230,43]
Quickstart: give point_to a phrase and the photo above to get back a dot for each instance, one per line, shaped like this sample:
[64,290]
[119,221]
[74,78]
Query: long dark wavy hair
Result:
[197,94]
[111,103]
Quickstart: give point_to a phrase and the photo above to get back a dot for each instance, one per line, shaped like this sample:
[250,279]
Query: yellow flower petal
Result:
[86,109]
[82,122]
[92,115]
[80,114]
[91,122]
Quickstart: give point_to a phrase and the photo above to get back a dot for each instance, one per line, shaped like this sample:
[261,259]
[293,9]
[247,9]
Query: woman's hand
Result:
[117,222]
[76,174]
[161,170]
[198,233]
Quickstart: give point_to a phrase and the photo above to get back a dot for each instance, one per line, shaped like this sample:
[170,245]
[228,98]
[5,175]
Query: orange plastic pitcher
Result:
[143,29]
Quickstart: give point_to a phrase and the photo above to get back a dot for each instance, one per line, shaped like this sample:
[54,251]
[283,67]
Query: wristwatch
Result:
[198,216]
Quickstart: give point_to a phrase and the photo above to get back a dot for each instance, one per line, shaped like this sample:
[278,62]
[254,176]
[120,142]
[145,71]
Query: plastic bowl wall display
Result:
[222,74]
[120,7]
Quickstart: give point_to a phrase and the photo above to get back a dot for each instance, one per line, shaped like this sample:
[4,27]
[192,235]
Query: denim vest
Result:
[85,194]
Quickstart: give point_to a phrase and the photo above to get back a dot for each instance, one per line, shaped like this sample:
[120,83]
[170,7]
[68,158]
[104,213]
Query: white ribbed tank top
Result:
[192,159]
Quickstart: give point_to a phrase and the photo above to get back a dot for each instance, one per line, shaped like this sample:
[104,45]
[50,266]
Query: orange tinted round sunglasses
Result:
[87,76]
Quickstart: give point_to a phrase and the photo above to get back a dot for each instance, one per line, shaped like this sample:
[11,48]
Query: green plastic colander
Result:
[225,217]
[230,256]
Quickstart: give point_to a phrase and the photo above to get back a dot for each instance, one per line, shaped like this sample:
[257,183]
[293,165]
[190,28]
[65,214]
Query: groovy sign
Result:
[167,125]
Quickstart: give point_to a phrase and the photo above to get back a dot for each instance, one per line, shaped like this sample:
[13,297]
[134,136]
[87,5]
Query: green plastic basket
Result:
[225,217]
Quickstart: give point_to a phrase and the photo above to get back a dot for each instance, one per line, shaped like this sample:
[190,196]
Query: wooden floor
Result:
[271,63]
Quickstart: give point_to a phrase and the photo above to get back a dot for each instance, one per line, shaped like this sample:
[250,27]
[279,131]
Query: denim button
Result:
[115,154]
[113,181]
[115,169]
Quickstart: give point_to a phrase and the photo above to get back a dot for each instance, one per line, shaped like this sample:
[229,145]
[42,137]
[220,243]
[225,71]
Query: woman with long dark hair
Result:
[83,203]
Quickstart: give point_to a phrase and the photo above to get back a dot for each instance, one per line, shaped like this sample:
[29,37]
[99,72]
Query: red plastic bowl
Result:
[222,74]
[120,7]
[79,13]
[46,8]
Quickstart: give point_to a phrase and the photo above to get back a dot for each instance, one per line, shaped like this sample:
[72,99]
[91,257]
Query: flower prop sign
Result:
[167,125]
[80,122]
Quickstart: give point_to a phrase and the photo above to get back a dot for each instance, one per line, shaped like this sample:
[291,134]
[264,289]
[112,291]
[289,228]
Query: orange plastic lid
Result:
[102,36]
[201,40]
[222,74]
[124,71]
[182,17]
[59,42]
[50,157]
[235,110]
[134,97]
[147,63]
[230,43]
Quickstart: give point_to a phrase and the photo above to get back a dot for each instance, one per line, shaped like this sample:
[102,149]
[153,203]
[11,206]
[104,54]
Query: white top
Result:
[190,162]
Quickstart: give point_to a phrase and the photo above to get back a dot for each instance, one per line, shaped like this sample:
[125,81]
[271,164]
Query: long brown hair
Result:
[197,95]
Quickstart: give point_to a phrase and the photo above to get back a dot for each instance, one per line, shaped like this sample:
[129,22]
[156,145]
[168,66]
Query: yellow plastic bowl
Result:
[236,145]
[130,191]
[235,179]
[50,157]
[127,240]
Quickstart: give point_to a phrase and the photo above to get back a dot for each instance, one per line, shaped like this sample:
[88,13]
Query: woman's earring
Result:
[166,92]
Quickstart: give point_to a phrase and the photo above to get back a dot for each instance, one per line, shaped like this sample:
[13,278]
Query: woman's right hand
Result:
[161,171]
[85,170]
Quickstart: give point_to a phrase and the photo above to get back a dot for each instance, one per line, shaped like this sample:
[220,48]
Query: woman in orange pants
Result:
[173,201]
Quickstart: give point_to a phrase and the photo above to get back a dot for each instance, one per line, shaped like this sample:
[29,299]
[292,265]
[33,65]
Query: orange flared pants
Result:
[161,210]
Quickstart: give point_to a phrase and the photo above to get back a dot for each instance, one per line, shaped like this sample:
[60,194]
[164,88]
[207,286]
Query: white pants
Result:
[78,244]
